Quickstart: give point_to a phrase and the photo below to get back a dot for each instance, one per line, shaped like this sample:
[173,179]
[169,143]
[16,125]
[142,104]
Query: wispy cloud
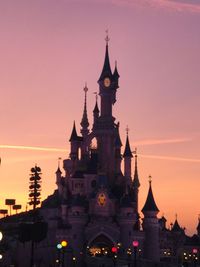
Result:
[36,148]
[170,158]
[175,5]
[160,141]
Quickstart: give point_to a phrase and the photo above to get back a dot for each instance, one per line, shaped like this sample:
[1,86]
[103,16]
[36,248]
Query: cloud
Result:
[50,149]
[174,5]
[170,158]
[160,141]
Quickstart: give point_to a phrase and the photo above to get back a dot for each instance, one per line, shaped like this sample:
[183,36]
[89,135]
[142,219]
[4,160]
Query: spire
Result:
[150,204]
[118,142]
[136,182]
[84,121]
[127,151]
[106,71]
[58,170]
[96,108]
[74,135]
[176,227]
[115,73]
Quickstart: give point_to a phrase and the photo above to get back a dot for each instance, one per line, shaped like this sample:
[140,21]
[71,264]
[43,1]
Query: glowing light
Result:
[135,243]
[194,250]
[114,249]
[1,257]
[64,243]
[59,246]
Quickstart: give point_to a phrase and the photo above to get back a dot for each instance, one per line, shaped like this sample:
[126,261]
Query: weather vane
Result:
[150,179]
[127,129]
[96,96]
[85,89]
[107,39]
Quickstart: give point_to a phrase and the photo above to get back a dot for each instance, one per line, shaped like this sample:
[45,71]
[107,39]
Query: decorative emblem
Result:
[101,199]
[106,82]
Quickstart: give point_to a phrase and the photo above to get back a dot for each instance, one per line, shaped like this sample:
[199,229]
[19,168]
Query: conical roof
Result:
[136,182]
[74,135]
[127,151]
[176,227]
[84,121]
[115,73]
[58,171]
[150,204]
[96,108]
[106,71]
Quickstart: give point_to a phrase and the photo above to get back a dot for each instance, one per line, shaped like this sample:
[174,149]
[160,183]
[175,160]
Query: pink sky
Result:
[50,48]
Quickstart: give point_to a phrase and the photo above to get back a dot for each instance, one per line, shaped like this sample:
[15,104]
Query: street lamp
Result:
[61,246]
[135,246]
[114,251]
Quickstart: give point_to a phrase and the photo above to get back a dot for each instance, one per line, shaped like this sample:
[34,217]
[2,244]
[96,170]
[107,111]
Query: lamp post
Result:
[114,251]
[61,247]
[135,247]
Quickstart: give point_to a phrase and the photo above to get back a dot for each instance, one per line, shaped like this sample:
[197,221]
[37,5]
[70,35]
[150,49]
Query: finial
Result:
[176,216]
[59,159]
[150,179]
[107,39]
[115,63]
[135,152]
[85,89]
[127,130]
[96,95]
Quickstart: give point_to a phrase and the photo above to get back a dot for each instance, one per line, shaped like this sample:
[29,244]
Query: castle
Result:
[95,206]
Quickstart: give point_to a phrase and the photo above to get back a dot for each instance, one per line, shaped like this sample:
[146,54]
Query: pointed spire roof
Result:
[118,142]
[96,108]
[136,182]
[106,71]
[84,121]
[127,151]
[150,204]
[58,170]
[176,227]
[74,135]
[115,73]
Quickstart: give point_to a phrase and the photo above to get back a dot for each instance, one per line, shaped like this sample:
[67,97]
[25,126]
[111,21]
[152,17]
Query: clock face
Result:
[106,82]
[101,199]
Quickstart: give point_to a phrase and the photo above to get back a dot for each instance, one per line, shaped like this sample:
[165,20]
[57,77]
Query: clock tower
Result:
[105,129]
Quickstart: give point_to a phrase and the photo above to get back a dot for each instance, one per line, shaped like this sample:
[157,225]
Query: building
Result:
[95,205]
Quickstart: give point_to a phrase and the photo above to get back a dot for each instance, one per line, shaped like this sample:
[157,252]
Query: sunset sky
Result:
[50,48]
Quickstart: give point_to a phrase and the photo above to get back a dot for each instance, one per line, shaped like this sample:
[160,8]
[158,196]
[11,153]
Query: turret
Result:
[75,144]
[59,179]
[151,227]
[136,182]
[84,121]
[96,111]
[127,157]
[116,75]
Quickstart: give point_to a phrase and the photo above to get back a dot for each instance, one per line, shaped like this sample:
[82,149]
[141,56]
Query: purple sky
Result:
[50,48]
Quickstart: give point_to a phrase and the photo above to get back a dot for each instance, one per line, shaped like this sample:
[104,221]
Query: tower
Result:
[136,182]
[104,128]
[151,227]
